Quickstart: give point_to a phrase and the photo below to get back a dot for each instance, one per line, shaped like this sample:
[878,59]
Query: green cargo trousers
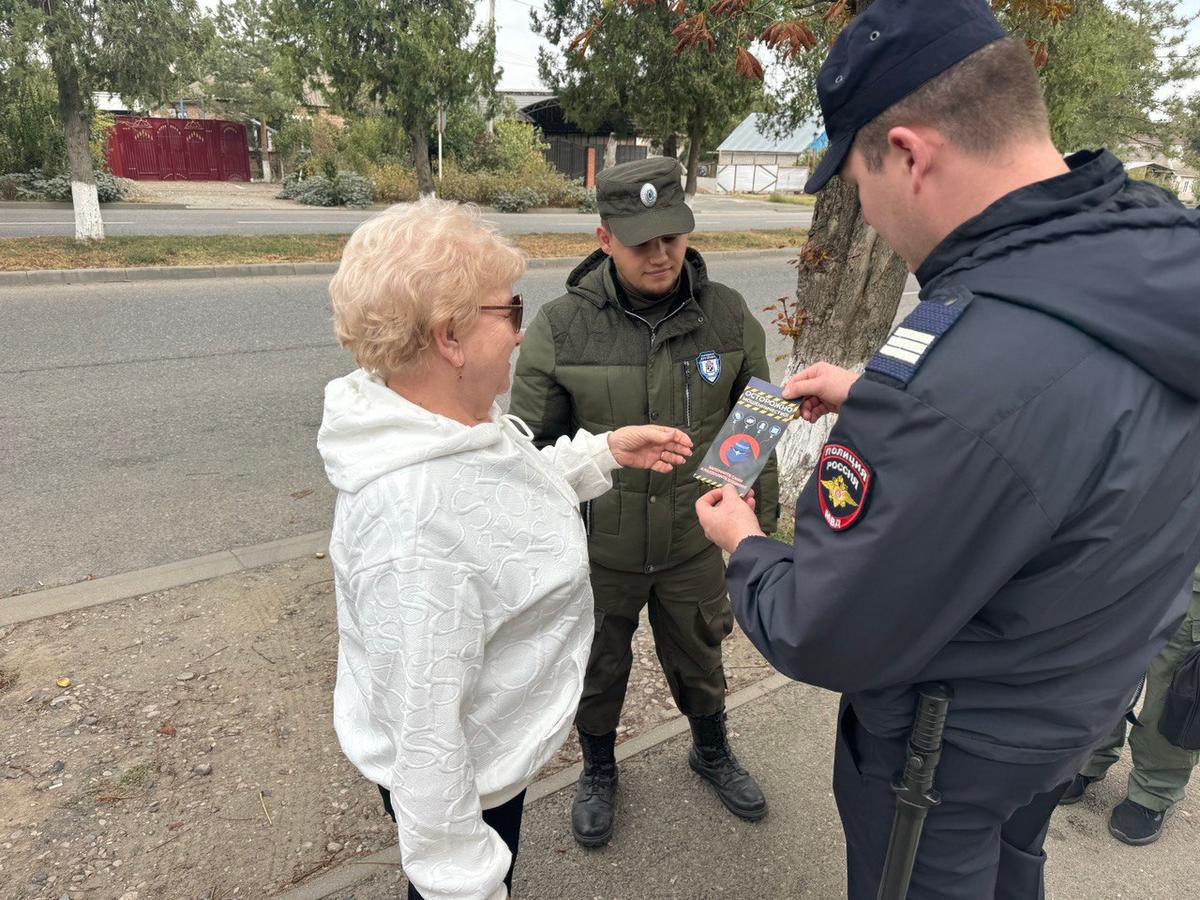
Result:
[689,615]
[1160,769]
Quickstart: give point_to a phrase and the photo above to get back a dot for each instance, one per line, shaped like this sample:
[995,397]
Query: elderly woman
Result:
[460,559]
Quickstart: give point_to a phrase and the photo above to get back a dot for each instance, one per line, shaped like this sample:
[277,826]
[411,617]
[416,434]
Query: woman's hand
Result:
[824,388]
[654,447]
[726,518]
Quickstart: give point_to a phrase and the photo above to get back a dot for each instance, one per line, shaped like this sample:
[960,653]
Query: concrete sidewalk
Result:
[674,840]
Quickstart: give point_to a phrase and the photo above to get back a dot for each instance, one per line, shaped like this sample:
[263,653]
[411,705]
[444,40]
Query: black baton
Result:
[915,793]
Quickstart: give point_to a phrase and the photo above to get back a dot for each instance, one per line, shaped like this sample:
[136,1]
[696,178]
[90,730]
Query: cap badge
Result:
[649,195]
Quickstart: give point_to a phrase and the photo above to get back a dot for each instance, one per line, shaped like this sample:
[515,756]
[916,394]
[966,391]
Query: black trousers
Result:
[983,841]
[505,820]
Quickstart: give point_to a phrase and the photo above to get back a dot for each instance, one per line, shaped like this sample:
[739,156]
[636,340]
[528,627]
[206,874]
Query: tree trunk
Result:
[695,138]
[610,151]
[670,146]
[264,138]
[850,284]
[419,138]
[89,226]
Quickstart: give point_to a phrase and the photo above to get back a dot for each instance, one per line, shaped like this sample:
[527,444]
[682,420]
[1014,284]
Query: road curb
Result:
[35,277]
[32,277]
[84,594]
[64,204]
[354,871]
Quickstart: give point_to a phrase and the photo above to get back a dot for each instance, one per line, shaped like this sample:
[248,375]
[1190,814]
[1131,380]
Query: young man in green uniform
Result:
[643,336]
[1161,770]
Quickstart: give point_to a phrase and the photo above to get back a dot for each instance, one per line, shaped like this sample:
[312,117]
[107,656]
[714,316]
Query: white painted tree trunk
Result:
[849,286]
[263,140]
[89,226]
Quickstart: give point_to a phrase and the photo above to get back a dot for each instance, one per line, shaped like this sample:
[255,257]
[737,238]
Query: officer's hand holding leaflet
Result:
[824,388]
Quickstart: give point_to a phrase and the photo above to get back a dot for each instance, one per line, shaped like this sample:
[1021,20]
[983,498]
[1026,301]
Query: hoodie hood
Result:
[592,279]
[1116,258]
[368,430]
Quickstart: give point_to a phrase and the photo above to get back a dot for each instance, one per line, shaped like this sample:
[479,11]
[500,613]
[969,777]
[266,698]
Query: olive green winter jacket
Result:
[587,362]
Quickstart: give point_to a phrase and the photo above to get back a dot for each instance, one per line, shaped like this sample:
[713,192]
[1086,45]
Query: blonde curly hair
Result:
[410,269]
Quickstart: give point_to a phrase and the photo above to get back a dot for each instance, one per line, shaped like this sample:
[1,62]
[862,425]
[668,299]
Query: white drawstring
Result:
[520,425]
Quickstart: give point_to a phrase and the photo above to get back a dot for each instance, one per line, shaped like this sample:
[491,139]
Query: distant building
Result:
[753,160]
[1173,174]
[568,150]
[108,102]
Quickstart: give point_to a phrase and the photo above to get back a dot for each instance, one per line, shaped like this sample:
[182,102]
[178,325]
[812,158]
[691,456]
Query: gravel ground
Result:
[179,745]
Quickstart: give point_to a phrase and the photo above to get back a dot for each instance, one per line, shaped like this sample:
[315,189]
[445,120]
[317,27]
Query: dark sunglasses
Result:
[514,310]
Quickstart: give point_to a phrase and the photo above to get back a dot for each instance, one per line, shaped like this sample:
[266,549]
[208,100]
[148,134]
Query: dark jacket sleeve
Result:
[947,522]
[537,397]
[755,365]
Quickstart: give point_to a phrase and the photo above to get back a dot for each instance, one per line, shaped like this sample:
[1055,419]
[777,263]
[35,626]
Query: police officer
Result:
[643,335]
[1161,770]
[1010,500]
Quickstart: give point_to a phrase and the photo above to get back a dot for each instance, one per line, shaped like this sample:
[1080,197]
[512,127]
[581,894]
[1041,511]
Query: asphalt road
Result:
[148,423]
[712,214]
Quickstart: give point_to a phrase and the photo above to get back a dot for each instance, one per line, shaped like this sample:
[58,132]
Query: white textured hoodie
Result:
[464,614]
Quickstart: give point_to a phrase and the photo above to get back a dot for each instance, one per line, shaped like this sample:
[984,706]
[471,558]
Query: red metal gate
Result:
[178,149]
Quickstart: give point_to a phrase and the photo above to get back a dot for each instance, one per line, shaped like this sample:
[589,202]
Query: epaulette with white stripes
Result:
[909,344]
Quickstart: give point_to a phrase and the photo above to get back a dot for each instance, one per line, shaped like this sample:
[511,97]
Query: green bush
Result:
[518,201]
[394,183]
[102,124]
[513,148]
[484,188]
[517,147]
[36,186]
[370,141]
[343,189]
[293,143]
[31,137]
[362,144]
[587,200]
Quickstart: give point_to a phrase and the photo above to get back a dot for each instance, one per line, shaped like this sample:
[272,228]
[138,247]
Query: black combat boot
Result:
[713,761]
[1136,825]
[1077,788]
[594,810]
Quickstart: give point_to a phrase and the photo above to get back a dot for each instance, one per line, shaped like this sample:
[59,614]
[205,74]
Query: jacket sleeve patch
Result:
[843,486]
[908,346]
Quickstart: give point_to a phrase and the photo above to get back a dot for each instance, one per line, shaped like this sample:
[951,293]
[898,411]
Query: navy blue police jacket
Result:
[1010,499]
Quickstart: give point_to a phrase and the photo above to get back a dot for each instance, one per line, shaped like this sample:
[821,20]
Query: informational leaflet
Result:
[748,437]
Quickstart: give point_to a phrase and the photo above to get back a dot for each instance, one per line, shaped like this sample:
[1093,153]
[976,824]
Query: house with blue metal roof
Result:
[755,160]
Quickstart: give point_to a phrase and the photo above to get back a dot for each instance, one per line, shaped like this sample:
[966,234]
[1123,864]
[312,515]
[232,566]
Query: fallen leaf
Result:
[167,728]
[174,826]
[300,495]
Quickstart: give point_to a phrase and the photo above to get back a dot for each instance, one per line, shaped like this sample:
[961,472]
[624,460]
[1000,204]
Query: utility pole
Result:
[491,126]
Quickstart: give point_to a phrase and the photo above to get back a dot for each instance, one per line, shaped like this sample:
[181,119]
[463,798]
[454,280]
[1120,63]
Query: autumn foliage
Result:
[793,36]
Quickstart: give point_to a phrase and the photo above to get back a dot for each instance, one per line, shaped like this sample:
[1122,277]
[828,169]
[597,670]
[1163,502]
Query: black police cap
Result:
[884,55]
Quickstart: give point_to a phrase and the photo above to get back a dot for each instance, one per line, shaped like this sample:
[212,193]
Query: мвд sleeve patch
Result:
[843,486]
